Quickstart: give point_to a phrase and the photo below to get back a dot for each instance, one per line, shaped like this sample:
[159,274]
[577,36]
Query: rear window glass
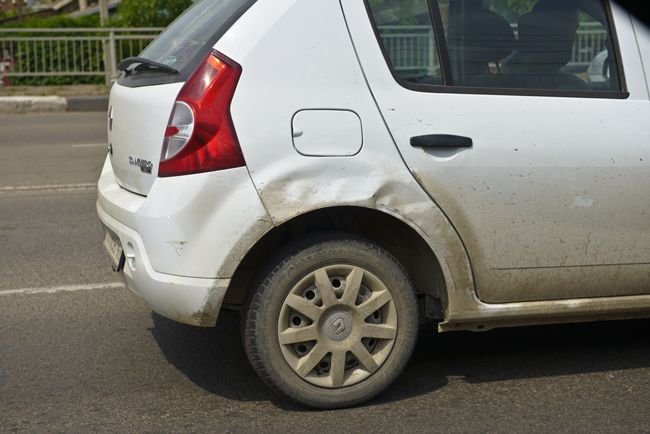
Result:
[188,40]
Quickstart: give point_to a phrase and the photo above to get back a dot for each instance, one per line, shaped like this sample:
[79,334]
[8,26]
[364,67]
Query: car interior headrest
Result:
[486,37]
[545,38]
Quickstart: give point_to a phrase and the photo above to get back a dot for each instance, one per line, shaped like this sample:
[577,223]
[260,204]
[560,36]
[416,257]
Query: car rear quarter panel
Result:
[297,55]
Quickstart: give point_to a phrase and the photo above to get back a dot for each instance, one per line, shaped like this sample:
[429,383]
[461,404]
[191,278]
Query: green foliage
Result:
[511,9]
[400,12]
[58,21]
[150,13]
[8,14]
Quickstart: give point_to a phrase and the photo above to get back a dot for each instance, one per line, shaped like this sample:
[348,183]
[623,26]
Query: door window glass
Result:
[543,45]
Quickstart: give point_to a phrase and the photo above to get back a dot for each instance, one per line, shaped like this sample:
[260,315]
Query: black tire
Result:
[291,266]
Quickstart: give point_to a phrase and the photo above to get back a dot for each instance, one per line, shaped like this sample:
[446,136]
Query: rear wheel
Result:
[333,323]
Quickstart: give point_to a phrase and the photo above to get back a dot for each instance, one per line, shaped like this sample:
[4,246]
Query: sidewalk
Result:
[43,99]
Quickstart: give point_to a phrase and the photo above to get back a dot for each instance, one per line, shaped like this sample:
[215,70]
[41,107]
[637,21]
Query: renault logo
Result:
[338,326]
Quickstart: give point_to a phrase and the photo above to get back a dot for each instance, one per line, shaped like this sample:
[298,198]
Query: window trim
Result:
[448,87]
[613,37]
[441,43]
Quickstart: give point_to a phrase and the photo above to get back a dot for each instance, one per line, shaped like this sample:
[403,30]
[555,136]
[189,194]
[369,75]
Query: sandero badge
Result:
[145,166]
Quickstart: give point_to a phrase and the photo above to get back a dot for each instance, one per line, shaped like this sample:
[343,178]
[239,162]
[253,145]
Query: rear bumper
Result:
[185,240]
[188,300]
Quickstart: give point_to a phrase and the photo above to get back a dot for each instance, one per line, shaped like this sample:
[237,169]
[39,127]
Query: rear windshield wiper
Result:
[144,64]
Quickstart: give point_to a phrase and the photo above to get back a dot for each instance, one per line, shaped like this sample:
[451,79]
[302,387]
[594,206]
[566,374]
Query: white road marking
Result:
[57,289]
[48,187]
[91,145]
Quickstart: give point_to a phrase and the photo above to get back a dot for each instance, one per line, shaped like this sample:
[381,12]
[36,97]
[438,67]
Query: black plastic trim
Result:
[441,43]
[120,265]
[613,37]
[429,88]
[441,141]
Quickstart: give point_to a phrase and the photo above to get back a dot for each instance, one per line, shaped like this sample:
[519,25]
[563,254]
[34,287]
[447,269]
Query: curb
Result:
[50,104]
[87,104]
[30,104]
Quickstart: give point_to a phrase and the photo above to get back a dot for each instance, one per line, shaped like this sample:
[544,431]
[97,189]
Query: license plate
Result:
[113,246]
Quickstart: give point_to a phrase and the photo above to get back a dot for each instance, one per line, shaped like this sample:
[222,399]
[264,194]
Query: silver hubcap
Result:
[337,326]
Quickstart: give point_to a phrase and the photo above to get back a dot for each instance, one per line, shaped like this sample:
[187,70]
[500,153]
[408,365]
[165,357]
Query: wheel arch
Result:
[386,228]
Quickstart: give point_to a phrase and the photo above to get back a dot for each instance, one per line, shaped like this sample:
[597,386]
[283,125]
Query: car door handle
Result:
[441,141]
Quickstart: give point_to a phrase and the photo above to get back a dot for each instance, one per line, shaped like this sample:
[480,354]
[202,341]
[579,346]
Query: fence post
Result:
[114,58]
[110,67]
[6,62]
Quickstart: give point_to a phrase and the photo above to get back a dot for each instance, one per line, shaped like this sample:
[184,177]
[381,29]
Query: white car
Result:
[342,171]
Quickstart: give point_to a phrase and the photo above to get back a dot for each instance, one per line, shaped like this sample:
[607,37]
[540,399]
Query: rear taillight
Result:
[200,136]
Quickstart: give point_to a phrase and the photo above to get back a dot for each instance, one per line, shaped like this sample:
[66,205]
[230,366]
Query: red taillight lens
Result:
[200,136]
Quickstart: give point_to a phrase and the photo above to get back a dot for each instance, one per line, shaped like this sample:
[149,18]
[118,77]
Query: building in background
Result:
[15,6]
[15,11]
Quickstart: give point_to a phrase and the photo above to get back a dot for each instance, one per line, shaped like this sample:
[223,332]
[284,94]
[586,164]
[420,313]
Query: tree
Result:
[150,13]
[512,9]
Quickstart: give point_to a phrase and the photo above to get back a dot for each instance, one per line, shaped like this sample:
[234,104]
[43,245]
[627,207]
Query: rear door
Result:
[543,173]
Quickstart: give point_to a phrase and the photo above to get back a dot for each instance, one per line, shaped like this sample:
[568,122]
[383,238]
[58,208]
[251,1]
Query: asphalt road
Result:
[89,356]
